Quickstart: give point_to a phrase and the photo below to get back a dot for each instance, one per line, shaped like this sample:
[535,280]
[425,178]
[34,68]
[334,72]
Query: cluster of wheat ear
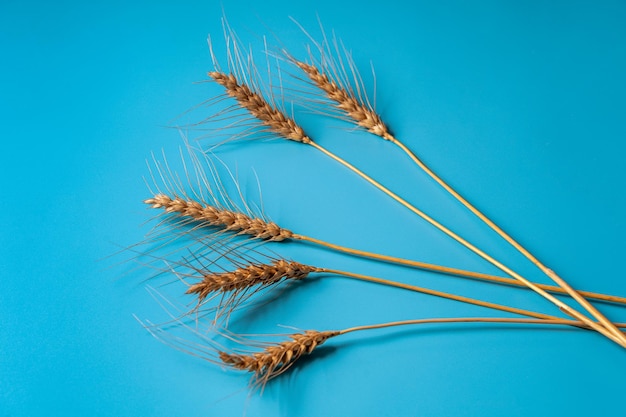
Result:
[223,229]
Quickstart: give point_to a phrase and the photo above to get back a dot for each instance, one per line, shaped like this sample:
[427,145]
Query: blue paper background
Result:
[519,105]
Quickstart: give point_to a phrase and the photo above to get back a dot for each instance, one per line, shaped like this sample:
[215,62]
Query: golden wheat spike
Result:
[360,113]
[229,220]
[277,358]
[249,276]
[272,118]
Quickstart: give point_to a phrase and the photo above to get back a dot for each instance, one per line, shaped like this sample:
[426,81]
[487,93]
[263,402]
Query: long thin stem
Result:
[465,320]
[614,335]
[551,274]
[441,294]
[453,271]
[455,297]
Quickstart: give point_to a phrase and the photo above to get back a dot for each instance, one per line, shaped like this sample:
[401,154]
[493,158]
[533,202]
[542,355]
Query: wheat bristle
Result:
[250,276]
[229,220]
[270,116]
[357,111]
[277,358]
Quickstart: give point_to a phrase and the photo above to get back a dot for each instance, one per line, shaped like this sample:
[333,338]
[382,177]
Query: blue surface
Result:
[520,106]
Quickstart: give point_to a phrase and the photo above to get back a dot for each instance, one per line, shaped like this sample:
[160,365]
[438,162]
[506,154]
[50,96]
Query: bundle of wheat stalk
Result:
[223,229]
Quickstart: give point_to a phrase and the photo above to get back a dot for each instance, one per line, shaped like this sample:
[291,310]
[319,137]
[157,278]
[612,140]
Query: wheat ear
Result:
[276,359]
[212,216]
[236,286]
[273,119]
[250,276]
[364,115]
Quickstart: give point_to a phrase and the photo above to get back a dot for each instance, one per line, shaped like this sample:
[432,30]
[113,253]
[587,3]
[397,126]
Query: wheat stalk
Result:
[455,271]
[606,328]
[279,357]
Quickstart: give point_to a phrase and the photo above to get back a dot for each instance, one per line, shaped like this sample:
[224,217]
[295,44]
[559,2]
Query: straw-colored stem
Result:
[455,297]
[465,320]
[441,294]
[618,338]
[453,271]
[558,280]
